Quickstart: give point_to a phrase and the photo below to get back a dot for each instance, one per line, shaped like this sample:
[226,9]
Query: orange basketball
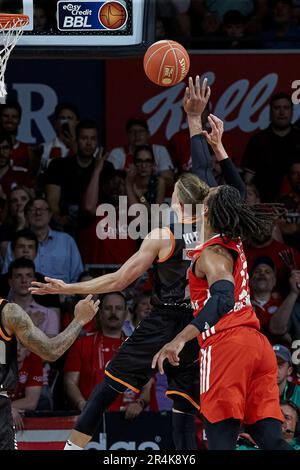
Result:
[166,63]
[113,15]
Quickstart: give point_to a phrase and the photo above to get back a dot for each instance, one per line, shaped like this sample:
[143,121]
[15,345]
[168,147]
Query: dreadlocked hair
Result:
[191,190]
[230,216]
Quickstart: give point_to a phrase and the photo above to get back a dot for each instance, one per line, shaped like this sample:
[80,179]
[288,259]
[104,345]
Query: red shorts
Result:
[238,377]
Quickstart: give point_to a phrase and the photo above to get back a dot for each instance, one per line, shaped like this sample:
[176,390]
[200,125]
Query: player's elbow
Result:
[223,293]
[49,355]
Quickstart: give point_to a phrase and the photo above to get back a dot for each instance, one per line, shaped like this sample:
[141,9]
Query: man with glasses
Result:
[67,178]
[10,176]
[57,253]
[138,134]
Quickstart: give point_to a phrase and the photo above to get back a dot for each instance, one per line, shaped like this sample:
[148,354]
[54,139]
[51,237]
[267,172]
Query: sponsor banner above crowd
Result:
[241,84]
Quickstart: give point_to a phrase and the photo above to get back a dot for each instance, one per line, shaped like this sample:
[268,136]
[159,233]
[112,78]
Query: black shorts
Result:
[132,364]
[7,434]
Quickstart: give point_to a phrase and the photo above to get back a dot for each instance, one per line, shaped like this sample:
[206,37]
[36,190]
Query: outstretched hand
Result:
[214,137]
[196,97]
[51,286]
[169,351]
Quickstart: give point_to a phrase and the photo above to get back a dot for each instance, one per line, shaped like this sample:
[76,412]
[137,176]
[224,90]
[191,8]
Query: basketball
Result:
[113,15]
[166,63]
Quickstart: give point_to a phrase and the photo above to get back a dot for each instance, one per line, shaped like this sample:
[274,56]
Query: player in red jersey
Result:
[237,364]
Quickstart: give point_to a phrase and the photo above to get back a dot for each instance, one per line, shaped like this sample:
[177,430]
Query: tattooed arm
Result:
[16,321]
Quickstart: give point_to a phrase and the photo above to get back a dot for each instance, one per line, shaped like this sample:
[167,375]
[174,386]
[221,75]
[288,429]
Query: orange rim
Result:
[10,21]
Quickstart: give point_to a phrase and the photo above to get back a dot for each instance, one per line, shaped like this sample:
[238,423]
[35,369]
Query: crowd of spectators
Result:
[205,24]
[50,226]
[230,24]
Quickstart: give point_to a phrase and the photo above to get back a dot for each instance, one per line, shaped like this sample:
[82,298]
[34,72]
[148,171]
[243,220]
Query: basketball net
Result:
[11,28]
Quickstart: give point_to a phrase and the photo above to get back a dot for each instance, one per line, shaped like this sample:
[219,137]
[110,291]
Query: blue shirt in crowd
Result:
[58,256]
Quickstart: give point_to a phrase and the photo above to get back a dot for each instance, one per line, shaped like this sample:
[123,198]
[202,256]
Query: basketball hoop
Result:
[11,27]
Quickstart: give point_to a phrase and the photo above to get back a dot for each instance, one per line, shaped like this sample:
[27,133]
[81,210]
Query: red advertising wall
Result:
[241,88]
[149,431]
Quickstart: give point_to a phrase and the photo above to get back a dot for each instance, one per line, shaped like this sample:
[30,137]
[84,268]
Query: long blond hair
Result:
[191,190]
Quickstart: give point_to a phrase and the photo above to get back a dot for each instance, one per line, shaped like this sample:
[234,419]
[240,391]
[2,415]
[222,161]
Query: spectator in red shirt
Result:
[290,224]
[272,312]
[262,283]
[284,258]
[10,117]
[88,357]
[11,176]
[29,386]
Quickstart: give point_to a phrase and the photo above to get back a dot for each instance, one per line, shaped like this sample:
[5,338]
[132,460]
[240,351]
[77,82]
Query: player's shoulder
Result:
[164,233]
[12,316]
[216,250]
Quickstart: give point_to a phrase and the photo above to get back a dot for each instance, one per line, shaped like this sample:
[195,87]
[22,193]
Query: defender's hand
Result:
[171,352]
[214,138]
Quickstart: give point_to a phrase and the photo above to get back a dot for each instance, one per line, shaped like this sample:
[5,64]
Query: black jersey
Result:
[170,274]
[8,357]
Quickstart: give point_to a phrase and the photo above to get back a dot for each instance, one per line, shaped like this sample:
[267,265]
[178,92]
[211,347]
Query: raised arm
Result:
[157,244]
[216,264]
[229,170]
[17,322]
[195,101]
[90,199]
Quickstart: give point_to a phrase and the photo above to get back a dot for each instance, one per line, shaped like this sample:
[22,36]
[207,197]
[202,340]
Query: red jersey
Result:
[30,375]
[89,355]
[242,314]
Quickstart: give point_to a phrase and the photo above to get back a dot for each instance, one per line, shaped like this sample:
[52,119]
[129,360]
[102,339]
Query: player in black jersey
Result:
[15,323]
[131,367]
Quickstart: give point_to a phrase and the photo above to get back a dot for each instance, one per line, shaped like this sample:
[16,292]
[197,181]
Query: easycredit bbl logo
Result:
[92,15]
